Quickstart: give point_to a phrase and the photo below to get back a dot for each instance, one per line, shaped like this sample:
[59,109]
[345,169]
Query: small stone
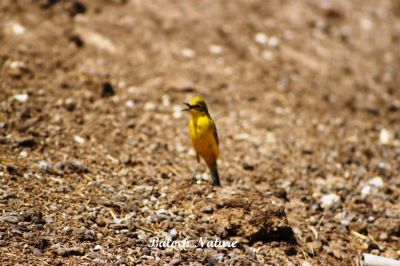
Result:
[28,142]
[248,166]
[365,191]
[15,231]
[21,97]
[149,106]
[261,38]
[314,219]
[166,101]
[180,148]
[41,243]
[385,136]
[383,236]
[268,55]
[74,166]
[215,259]
[12,219]
[87,235]
[107,90]
[33,216]
[97,248]
[329,200]
[67,229]
[23,154]
[175,262]
[291,251]
[173,233]
[73,251]
[177,111]
[376,181]
[273,42]
[366,24]
[207,209]
[215,49]
[345,223]
[314,248]
[70,104]
[77,40]
[79,139]
[188,53]
[77,8]
[45,165]
[118,226]
[126,159]
[129,104]
[124,231]
[18,29]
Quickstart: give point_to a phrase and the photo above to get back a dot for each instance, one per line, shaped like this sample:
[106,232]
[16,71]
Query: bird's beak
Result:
[187,109]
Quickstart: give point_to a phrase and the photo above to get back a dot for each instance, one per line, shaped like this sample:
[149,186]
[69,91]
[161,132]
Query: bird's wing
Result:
[215,133]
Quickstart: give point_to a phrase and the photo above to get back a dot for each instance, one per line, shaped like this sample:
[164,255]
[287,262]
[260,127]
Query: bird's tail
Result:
[215,175]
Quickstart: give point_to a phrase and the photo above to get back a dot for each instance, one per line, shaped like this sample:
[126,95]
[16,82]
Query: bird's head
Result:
[196,106]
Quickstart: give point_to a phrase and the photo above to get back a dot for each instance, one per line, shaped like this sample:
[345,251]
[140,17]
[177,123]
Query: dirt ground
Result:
[95,157]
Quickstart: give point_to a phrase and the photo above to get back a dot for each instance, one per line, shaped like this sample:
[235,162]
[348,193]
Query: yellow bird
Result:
[204,135]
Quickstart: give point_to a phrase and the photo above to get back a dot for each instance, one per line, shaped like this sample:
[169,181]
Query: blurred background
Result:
[305,95]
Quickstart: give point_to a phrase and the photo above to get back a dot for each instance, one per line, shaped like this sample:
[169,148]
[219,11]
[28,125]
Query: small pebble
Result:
[175,262]
[215,49]
[383,236]
[79,139]
[173,233]
[73,251]
[177,111]
[129,104]
[67,229]
[207,209]
[273,42]
[345,223]
[216,259]
[107,90]
[27,142]
[188,53]
[149,106]
[385,136]
[12,219]
[45,165]
[261,38]
[21,97]
[23,154]
[376,181]
[291,251]
[248,166]
[70,104]
[18,29]
[329,200]
[365,191]
[166,101]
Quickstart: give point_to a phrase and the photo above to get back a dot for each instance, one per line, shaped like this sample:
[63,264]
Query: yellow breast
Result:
[202,134]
